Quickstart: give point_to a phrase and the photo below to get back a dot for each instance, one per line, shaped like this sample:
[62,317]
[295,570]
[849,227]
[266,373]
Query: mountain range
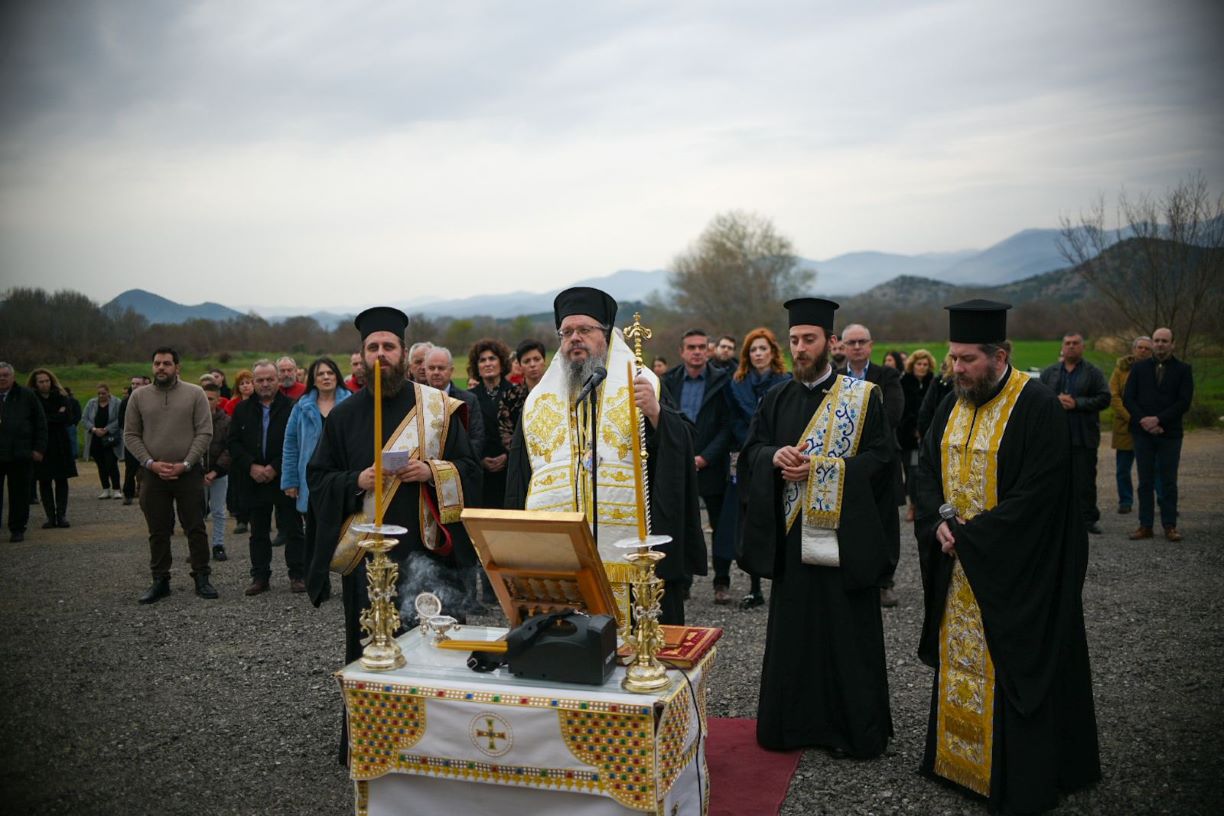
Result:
[1022,256]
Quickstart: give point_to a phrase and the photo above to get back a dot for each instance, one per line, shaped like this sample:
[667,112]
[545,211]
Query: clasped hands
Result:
[414,471]
[793,462]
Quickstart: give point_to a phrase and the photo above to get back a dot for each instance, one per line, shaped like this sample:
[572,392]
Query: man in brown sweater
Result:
[167,429]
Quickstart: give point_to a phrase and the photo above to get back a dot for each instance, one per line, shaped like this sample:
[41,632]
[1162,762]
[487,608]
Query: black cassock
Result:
[1025,560]
[824,680]
[346,447]
[674,508]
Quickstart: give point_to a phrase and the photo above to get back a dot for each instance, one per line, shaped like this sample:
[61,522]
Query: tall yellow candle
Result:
[378,444]
[639,491]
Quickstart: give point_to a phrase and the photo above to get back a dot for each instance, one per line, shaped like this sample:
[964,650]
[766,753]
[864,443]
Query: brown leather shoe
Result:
[257,587]
[297,585]
[722,596]
[1172,535]
[888,598]
[1142,532]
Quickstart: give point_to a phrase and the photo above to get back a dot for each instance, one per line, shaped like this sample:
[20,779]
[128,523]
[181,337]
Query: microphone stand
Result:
[593,416]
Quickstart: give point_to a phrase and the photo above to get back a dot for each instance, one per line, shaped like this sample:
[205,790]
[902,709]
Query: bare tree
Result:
[1162,263]
[737,274]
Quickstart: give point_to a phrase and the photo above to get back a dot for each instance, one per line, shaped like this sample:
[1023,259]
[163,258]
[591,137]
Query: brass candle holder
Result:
[381,619]
[645,673]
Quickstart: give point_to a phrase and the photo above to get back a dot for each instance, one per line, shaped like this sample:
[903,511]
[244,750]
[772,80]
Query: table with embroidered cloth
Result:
[437,737]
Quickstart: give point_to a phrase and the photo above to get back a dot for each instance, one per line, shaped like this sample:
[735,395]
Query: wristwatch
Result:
[186,466]
[947,512]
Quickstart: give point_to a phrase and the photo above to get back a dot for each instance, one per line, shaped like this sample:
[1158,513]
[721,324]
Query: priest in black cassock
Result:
[1012,715]
[552,454]
[815,478]
[436,548]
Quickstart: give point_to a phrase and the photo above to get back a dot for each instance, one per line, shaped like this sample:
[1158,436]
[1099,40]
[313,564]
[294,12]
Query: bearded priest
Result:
[1012,716]
[815,475]
[553,458]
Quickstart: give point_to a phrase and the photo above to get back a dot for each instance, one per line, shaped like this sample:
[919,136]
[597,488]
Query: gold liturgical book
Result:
[540,562]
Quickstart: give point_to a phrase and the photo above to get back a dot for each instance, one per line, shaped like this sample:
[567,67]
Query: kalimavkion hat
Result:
[811,311]
[585,300]
[977,321]
[381,318]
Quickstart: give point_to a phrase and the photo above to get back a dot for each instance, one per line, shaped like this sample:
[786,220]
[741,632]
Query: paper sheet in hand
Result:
[396,460]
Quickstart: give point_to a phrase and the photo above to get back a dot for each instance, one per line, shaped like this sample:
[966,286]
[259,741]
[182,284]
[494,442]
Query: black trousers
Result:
[17,474]
[722,562]
[289,523]
[1084,482]
[108,467]
[160,499]
[54,502]
[131,470]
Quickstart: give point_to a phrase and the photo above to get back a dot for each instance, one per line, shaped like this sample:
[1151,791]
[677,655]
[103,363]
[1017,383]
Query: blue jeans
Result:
[1124,461]
[215,494]
[1158,459]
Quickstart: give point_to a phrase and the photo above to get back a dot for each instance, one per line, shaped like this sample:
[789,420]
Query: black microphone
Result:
[597,376]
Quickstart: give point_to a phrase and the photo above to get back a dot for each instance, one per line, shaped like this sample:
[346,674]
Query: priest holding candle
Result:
[396,452]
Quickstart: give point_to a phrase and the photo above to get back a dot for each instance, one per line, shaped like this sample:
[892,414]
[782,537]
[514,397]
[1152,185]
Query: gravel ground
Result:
[229,706]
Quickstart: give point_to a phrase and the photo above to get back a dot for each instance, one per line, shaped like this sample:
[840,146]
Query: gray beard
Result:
[577,373]
[978,391]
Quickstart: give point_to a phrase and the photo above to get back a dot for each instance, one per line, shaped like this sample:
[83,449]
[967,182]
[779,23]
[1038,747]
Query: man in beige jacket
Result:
[167,429]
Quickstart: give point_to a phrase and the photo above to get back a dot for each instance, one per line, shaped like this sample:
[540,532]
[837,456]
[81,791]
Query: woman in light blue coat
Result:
[326,391]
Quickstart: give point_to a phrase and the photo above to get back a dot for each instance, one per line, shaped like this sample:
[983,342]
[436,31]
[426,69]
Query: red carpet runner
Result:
[744,777]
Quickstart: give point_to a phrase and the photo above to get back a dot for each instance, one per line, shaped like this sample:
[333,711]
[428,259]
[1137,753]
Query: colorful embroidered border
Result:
[381,724]
[524,775]
[499,698]
[621,746]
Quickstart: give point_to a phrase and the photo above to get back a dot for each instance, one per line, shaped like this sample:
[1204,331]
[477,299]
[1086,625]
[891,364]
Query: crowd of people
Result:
[802,471]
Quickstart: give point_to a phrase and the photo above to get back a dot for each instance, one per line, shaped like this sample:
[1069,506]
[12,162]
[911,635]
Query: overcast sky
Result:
[331,154]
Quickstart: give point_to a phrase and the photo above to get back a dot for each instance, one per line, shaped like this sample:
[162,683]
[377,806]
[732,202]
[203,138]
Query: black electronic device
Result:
[570,648]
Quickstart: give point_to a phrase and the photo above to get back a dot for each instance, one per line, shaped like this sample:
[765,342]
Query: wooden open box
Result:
[540,562]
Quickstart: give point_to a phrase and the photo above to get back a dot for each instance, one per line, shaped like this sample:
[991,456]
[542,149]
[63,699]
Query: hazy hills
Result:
[1015,264]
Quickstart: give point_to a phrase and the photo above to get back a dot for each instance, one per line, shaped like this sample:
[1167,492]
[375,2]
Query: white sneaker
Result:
[105,494]
[116,494]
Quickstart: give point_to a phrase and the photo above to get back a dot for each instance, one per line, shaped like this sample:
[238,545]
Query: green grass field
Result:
[1027,354]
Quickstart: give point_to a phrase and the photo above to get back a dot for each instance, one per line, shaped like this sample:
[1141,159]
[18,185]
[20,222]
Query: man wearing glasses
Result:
[555,464]
[857,342]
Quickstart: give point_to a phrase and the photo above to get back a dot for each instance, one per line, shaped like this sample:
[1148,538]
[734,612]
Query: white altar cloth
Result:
[436,737]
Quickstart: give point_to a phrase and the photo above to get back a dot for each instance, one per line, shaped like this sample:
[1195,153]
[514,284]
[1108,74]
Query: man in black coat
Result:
[23,441]
[856,341]
[439,374]
[1157,395]
[697,387]
[1083,393]
[256,443]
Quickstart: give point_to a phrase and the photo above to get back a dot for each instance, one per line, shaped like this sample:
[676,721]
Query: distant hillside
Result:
[157,309]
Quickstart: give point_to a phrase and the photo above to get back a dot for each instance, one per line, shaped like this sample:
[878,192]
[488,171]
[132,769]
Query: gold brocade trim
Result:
[622,748]
[672,733]
[496,697]
[361,798]
[964,726]
[620,576]
[614,426]
[965,704]
[381,724]
[826,483]
[545,428]
[449,489]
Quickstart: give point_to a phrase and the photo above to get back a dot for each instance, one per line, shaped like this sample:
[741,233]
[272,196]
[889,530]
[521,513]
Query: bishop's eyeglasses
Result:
[581,331]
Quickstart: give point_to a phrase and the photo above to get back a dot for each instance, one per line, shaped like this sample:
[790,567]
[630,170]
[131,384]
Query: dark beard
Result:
[393,379]
[839,361]
[978,391]
[577,373]
[807,374]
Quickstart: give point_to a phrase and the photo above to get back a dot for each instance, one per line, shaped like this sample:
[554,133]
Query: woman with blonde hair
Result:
[760,369]
[918,376]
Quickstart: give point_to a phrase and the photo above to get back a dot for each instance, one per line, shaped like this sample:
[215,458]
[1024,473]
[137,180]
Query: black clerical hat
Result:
[381,318]
[585,300]
[811,312]
[977,321]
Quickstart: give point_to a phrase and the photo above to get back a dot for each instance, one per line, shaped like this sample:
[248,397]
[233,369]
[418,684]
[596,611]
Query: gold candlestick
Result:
[381,619]
[645,673]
